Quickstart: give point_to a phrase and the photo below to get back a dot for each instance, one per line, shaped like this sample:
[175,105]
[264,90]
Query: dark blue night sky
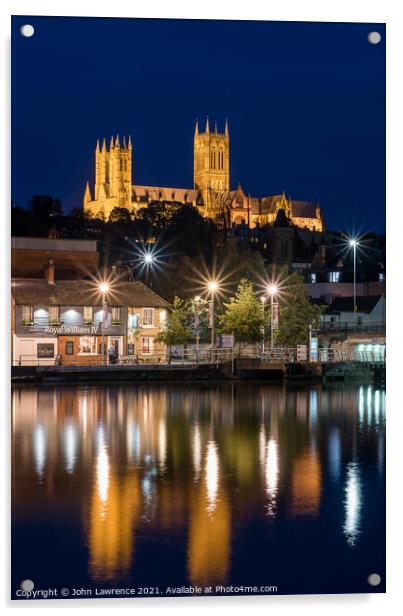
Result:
[305,103]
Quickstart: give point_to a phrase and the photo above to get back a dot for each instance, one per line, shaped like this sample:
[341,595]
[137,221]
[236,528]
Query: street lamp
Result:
[212,287]
[104,288]
[148,261]
[272,290]
[263,300]
[197,304]
[353,243]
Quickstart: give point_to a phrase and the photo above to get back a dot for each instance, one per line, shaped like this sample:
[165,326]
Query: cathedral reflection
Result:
[134,469]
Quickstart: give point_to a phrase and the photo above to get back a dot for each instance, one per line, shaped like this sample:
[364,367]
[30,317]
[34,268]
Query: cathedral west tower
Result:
[211,166]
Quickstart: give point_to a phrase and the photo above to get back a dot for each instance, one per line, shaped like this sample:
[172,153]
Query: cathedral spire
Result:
[215,127]
[129,143]
[207,127]
[197,128]
[226,127]
[124,141]
[97,146]
[87,194]
[117,142]
[103,145]
[111,144]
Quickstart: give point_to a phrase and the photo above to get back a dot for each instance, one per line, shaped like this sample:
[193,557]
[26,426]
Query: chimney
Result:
[50,272]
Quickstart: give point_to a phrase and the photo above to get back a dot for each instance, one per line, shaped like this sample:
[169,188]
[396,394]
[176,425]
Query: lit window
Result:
[87,345]
[53,314]
[334,276]
[148,317]
[146,345]
[133,320]
[381,277]
[27,315]
[313,278]
[163,318]
[88,314]
[115,315]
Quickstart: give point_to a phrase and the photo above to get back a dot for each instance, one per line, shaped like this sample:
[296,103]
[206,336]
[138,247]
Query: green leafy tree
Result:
[243,315]
[296,313]
[177,329]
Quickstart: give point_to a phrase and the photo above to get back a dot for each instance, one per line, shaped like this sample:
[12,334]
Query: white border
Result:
[286,10]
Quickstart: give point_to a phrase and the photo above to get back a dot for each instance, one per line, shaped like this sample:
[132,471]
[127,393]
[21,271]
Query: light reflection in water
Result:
[352,504]
[361,403]
[271,476]
[70,446]
[306,483]
[162,444]
[102,468]
[334,453]
[212,475]
[83,412]
[144,468]
[262,447]
[39,447]
[196,451]
[313,408]
[369,404]
[376,406]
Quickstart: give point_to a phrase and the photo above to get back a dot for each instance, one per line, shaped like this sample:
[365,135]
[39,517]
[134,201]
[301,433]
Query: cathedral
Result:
[211,193]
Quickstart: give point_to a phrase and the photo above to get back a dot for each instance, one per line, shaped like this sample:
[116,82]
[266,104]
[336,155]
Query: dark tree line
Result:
[187,247]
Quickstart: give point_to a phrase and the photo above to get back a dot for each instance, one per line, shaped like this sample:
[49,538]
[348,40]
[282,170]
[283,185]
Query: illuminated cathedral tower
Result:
[211,166]
[113,177]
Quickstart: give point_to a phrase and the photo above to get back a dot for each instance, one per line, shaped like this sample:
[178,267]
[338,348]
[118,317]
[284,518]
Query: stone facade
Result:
[63,323]
[211,192]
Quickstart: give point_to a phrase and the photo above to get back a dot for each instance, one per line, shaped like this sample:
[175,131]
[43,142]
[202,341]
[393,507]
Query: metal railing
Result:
[340,327]
[192,357]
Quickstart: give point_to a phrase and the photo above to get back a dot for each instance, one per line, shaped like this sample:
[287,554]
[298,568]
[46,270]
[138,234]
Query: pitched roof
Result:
[164,193]
[364,304]
[303,209]
[84,293]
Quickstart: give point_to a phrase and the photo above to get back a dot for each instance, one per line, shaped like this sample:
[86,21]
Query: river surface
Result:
[204,485]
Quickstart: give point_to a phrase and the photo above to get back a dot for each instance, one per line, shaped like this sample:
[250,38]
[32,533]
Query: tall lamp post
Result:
[354,244]
[212,286]
[148,261]
[263,300]
[104,288]
[197,304]
[272,289]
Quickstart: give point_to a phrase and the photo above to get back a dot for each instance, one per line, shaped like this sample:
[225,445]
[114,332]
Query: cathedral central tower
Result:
[211,165]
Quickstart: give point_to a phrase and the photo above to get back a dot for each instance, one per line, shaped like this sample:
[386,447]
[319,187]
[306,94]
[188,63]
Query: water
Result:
[203,484]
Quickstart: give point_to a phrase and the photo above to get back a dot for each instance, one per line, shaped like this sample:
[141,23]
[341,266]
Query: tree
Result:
[45,206]
[120,215]
[157,215]
[296,313]
[189,232]
[237,261]
[177,328]
[243,314]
